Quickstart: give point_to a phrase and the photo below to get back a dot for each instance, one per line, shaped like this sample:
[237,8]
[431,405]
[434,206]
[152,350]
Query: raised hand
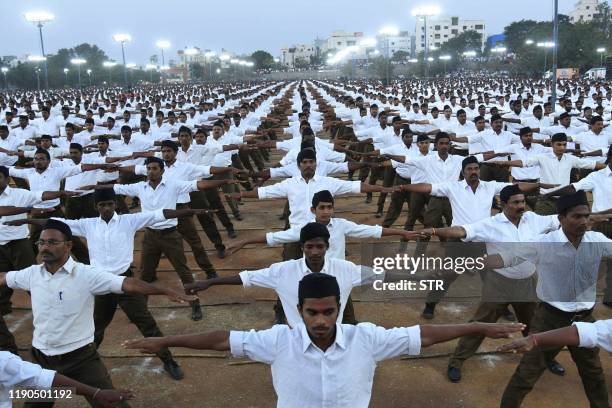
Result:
[148,345]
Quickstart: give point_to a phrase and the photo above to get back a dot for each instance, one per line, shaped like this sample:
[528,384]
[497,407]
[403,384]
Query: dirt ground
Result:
[216,380]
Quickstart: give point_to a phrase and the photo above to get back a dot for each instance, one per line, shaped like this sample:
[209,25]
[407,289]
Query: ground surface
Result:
[215,380]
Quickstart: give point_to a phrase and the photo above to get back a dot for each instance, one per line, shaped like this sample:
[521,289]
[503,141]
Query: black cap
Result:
[567,202]
[525,130]
[59,226]
[104,194]
[307,153]
[467,161]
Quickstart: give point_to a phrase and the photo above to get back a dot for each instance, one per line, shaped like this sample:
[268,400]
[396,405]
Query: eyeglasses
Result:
[51,242]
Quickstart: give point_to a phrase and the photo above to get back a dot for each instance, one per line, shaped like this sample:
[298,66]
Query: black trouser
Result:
[533,363]
[398,198]
[187,229]
[14,255]
[388,179]
[199,200]
[134,305]
[606,229]
[77,208]
[83,364]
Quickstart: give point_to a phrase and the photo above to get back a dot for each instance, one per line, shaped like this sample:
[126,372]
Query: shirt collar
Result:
[340,340]
[306,269]
[67,268]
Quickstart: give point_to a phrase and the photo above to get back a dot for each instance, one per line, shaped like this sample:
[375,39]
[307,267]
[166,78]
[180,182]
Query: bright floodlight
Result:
[250,64]
[78,61]
[163,44]
[234,61]
[224,57]
[89,71]
[109,64]
[191,51]
[601,50]
[389,30]
[151,66]
[243,63]
[432,48]
[4,70]
[425,11]
[66,70]
[368,42]
[469,54]
[210,54]
[122,38]
[130,65]
[413,60]
[546,44]
[164,68]
[529,42]
[36,58]
[499,49]
[39,16]
[445,57]
[430,59]
[218,70]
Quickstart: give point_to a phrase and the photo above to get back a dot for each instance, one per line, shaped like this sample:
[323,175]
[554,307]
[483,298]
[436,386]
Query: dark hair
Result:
[441,135]
[76,146]
[184,129]
[157,160]
[43,151]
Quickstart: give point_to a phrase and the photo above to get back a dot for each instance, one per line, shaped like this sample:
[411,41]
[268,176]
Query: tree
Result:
[400,56]
[262,59]
[383,69]
[196,71]
[469,40]
[300,62]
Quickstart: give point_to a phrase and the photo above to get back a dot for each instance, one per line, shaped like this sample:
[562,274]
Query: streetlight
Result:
[150,68]
[601,51]
[123,38]
[209,56]
[529,42]
[78,62]
[546,45]
[39,18]
[499,50]
[162,45]
[445,58]
[89,75]
[35,59]
[424,12]
[4,71]
[109,65]
[37,71]
[66,75]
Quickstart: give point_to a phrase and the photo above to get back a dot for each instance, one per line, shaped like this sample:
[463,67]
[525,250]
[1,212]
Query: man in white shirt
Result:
[62,293]
[319,362]
[18,374]
[513,286]
[566,290]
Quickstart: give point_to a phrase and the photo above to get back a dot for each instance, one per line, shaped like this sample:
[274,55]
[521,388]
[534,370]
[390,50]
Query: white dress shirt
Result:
[437,170]
[555,171]
[180,170]
[102,238]
[339,229]
[63,303]
[324,168]
[597,334]
[498,229]
[299,193]
[16,197]
[468,206]
[590,142]
[304,376]
[48,180]
[163,197]
[520,152]
[284,278]
[600,183]
[16,373]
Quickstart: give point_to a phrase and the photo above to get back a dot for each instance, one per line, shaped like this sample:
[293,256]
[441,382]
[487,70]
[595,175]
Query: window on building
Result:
[436,27]
[437,37]
[445,36]
[351,42]
[479,26]
[392,43]
[339,43]
[465,27]
[587,7]
[454,20]
[455,31]
[446,27]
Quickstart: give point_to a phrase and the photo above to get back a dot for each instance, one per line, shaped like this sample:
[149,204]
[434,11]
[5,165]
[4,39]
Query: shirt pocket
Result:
[70,306]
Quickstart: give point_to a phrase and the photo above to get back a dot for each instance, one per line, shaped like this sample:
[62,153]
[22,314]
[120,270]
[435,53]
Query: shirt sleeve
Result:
[131,190]
[586,183]
[344,187]
[265,278]
[440,189]
[77,227]
[14,372]
[140,170]
[29,198]
[333,168]
[19,279]
[101,282]
[261,345]
[281,171]
[598,334]
[144,218]
[389,343]
[579,163]
[19,173]
[67,171]
[186,186]
[355,230]
[499,186]
[477,231]
[283,237]
[277,190]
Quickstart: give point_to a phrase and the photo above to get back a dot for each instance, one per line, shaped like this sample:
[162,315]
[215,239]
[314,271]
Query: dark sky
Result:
[241,26]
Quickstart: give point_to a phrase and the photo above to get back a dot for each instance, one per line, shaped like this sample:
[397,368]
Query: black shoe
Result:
[231,233]
[379,214]
[555,368]
[368,199]
[174,370]
[454,374]
[211,275]
[196,311]
[220,251]
[509,316]
[238,216]
[429,311]
[608,304]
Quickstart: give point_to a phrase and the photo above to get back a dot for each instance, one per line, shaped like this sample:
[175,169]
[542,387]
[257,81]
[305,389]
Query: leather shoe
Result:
[238,216]
[196,311]
[429,311]
[174,370]
[555,368]
[231,233]
[212,275]
[221,251]
[454,374]
[379,214]
[368,199]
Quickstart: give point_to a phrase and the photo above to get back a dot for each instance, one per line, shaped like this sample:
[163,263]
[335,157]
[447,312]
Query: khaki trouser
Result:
[170,243]
[606,229]
[398,198]
[533,363]
[187,229]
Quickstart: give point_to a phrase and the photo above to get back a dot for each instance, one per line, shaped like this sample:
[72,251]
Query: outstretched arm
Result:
[197,286]
[217,340]
[433,334]
[566,336]
[132,285]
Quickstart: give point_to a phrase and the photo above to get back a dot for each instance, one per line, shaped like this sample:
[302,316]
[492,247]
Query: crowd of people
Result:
[486,165]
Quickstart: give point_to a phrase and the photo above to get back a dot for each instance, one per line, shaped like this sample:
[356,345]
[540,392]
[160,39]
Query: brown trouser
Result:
[533,363]
[170,243]
[509,292]
[209,200]
[187,229]
[14,255]
[388,180]
[228,189]
[489,172]
[398,198]
[546,205]
[134,305]
[83,365]
[606,229]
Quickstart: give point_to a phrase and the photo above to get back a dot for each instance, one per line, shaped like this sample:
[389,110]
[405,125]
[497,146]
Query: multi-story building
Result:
[339,40]
[297,54]
[388,45]
[442,29]
[584,11]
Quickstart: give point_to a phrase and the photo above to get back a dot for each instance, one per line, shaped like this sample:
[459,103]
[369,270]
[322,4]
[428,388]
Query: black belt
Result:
[68,354]
[568,315]
[527,181]
[164,231]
